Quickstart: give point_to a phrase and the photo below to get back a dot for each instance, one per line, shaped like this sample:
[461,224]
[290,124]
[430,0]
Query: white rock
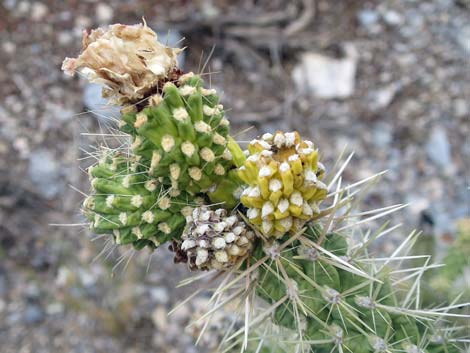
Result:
[381,98]
[38,11]
[368,18]
[393,18]
[104,13]
[327,77]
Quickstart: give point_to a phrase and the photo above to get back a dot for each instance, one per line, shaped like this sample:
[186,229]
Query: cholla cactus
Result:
[182,135]
[301,273]
[214,240]
[284,183]
[132,206]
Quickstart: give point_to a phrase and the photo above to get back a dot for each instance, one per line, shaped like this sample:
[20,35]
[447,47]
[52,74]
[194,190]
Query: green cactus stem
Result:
[183,137]
[135,208]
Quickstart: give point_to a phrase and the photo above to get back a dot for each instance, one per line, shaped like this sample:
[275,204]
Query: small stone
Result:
[393,18]
[38,11]
[55,308]
[382,97]
[382,135]
[439,150]
[160,318]
[45,173]
[104,13]
[368,18]
[327,77]
[461,108]
[463,38]
[160,295]
[9,47]
[33,314]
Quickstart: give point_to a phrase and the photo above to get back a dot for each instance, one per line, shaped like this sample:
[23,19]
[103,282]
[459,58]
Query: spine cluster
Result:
[255,216]
[182,135]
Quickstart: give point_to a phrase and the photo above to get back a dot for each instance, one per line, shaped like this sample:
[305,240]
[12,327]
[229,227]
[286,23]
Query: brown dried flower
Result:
[127,60]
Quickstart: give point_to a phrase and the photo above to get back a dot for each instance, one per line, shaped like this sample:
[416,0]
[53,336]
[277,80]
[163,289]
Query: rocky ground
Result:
[389,79]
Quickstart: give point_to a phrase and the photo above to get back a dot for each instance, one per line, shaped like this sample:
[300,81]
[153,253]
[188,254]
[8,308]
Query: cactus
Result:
[183,136]
[135,208]
[300,272]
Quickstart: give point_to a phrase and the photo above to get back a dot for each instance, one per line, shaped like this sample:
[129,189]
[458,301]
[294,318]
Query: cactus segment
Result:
[322,289]
[184,138]
[133,207]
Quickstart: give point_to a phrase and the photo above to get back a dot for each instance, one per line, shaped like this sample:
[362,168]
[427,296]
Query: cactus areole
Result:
[279,232]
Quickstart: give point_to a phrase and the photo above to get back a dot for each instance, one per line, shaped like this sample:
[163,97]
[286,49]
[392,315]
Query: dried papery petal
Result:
[127,60]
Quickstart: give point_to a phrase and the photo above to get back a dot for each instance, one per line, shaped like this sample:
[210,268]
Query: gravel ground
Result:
[401,101]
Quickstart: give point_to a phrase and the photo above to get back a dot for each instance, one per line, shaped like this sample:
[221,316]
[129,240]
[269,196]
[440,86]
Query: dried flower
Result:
[127,60]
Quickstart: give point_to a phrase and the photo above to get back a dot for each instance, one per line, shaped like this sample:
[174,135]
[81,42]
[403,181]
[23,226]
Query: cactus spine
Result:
[297,268]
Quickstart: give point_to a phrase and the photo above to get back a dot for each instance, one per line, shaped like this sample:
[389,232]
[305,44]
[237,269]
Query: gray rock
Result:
[393,18]
[382,135]
[463,38]
[438,148]
[461,108]
[160,295]
[368,18]
[33,314]
[327,77]
[45,173]
[382,97]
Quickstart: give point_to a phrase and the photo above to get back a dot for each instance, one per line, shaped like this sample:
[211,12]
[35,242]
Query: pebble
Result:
[382,97]
[38,11]
[9,47]
[382,135]
[327,77]
[160,295]
[463,38]
[44,172]
[438,148]
[461,108]
[160,317]
[33,314]
[104,13]
[393,18]
[368,18]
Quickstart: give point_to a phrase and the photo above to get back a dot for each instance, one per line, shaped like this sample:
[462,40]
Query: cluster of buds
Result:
[284,183]
[134,208]
[213,240]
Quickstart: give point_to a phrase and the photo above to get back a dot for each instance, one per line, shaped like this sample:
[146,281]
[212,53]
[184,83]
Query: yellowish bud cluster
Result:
[284,183]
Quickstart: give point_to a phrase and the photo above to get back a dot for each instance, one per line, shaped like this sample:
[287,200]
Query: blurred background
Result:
[388,79]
